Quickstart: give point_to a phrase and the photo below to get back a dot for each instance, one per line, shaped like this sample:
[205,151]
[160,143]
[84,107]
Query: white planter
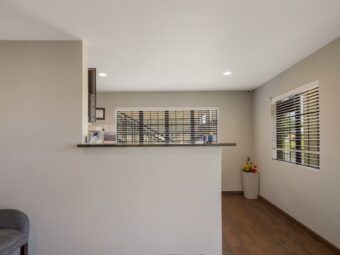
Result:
[250,182]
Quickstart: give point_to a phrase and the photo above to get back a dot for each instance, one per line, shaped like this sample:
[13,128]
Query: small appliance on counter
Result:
[95,137]
[209,139]
[101,133]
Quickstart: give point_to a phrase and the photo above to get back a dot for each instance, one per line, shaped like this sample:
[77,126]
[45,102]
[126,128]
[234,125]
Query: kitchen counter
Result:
[86,145]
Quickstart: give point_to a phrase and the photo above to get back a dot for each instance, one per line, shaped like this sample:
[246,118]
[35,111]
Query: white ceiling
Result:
[173,45]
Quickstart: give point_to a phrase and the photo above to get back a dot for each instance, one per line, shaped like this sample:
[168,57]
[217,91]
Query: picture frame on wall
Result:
[100,113]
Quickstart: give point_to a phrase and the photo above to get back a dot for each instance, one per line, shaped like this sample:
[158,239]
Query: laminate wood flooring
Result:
[250,227]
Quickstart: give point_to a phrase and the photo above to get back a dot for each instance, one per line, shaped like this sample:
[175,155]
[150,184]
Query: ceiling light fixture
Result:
[227,73]
[102,74]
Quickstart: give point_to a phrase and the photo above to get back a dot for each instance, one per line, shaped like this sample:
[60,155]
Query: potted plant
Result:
[250,180]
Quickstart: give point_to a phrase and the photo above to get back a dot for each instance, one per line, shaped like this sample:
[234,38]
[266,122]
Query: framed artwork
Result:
[100,113]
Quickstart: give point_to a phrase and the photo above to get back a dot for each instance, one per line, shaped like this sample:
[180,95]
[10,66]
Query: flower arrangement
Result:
[249,167]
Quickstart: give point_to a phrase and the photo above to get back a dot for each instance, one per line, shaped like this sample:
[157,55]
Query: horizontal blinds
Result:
[162,126]
[296,127]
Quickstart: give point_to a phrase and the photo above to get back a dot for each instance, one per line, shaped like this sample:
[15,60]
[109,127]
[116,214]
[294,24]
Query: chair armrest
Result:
[14,219]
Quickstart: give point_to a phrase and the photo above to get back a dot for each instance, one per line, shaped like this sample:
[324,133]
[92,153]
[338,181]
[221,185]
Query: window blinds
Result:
[166,126]
[296,126]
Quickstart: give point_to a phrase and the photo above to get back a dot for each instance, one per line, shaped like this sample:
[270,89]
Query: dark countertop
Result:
[155,145]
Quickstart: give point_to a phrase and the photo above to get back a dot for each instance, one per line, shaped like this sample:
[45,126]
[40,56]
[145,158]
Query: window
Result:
[296,126]
[167,125]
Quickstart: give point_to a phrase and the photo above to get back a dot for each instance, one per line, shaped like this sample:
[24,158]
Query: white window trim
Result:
[275,99]
[295,91]
[169,109]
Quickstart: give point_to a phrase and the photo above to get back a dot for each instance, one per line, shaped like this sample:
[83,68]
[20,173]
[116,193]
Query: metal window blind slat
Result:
[296,127]
[188,125]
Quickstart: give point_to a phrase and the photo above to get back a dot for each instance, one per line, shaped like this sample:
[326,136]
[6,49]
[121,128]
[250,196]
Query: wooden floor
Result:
[250,227]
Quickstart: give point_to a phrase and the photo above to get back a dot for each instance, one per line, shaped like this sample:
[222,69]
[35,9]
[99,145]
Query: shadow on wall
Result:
[28,23]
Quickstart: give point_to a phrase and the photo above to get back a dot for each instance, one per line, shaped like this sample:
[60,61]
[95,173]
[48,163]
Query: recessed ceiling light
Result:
[227,73]
[102,74]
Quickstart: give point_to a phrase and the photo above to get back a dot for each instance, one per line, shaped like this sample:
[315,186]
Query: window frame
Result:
[298,151]
[167,127]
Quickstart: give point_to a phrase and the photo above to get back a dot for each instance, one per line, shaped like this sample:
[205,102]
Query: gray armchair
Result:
[14,227]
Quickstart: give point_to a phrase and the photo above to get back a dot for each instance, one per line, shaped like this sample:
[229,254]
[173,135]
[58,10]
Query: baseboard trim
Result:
[302,226]
[233,192]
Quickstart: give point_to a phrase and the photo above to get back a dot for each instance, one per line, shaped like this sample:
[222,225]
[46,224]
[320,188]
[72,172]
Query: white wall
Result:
[131,201]
[311,196]
[235,115]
